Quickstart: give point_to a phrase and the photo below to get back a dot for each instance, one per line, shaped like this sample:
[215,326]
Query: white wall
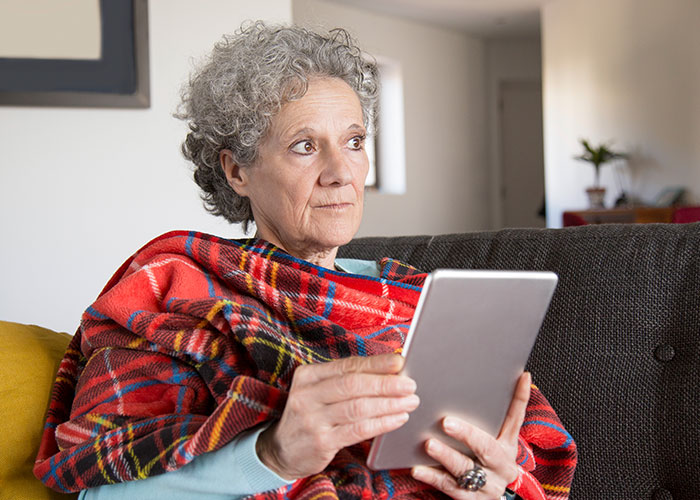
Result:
[626,71]
[82,189]
[507,60]
[445,112]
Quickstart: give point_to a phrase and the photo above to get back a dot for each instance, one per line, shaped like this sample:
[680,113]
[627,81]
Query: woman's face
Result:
[306,187]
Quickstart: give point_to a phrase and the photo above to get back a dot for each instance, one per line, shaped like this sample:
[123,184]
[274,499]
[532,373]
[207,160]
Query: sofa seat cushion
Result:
[29,359]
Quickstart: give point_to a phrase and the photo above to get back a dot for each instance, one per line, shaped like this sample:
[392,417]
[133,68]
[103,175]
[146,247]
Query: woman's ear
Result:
[235,174]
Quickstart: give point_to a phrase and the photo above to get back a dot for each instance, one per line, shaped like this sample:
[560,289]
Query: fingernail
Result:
[401,418]
[418,473]
[395,362]
[411,401]
[450,424]
[429,445]
[408,384]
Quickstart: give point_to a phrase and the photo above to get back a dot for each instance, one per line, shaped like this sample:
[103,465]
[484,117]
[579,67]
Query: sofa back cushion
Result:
[618,355]
[29,359]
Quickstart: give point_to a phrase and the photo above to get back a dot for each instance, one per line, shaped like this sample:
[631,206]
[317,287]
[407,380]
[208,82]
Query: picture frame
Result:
[119,79]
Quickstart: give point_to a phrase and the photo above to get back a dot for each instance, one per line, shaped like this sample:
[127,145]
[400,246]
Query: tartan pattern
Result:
[196,338]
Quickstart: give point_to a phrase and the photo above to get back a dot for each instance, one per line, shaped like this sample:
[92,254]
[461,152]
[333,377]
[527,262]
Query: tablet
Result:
[466,348]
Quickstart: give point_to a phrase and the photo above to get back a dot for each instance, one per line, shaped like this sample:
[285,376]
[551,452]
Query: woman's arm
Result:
[234,471]
[330,406]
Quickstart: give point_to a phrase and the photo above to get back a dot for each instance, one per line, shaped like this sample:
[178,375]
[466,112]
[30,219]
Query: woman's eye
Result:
[303,147]
[357,142]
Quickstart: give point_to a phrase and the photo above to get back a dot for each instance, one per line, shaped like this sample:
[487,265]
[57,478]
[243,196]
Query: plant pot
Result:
[596,197]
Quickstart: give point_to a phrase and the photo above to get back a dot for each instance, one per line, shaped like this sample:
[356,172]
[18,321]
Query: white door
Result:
[522,156]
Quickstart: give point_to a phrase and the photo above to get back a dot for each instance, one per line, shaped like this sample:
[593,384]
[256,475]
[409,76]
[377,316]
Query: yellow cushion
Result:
[29,359]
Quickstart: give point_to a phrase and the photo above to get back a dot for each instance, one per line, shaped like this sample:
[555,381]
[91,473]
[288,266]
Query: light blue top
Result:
[234,471]
[356,266]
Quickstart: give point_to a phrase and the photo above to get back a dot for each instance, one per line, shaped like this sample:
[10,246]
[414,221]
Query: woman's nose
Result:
[336,169]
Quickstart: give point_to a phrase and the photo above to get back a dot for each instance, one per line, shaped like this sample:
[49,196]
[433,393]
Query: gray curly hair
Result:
[229,102]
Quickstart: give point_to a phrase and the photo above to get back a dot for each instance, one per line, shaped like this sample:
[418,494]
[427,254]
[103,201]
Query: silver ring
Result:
[472,480]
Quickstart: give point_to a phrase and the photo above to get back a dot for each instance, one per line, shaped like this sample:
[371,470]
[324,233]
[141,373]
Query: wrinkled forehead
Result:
[328,103]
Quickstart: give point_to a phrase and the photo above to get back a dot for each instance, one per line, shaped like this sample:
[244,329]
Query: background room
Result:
[492,102]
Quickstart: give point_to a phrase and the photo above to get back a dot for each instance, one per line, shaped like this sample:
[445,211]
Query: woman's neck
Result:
[320,257]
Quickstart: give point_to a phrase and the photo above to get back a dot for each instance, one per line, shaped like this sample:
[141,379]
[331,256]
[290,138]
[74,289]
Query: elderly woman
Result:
[213,368]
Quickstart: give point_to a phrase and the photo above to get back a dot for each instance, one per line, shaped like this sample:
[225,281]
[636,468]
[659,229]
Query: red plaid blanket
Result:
[196,338]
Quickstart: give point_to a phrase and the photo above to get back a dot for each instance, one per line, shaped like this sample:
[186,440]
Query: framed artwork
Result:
[114,75]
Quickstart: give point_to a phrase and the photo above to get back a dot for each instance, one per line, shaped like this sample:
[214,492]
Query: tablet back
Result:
[467,346]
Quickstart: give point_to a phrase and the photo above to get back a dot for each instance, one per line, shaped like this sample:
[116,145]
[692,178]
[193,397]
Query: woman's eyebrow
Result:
[291,133]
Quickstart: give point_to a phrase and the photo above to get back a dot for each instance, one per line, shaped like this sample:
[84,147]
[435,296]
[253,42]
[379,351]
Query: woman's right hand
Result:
[334,405]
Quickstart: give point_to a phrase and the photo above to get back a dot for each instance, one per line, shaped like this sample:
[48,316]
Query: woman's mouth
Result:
[335,206]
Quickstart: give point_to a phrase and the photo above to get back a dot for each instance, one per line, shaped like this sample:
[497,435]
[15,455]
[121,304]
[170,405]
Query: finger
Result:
[380,364]
[487,450]
[455,462]
[440,480]
[516,412]
[445,482]
[356,432]
[357,385]
[362,408]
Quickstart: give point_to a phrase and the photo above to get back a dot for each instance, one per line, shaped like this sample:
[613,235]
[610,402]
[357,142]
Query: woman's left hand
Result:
[495,455]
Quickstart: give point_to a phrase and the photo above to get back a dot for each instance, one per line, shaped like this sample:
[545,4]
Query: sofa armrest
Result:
[29,359]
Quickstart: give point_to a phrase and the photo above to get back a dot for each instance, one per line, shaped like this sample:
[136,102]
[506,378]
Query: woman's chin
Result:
[338,241]
[335,231]
[337,237]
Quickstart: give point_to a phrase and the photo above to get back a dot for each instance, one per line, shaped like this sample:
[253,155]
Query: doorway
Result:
[522,154]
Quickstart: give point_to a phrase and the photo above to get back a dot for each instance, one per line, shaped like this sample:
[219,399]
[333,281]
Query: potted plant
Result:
[597,156]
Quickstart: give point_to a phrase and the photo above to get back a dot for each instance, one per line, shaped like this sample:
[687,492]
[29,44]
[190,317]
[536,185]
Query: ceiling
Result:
[481,18]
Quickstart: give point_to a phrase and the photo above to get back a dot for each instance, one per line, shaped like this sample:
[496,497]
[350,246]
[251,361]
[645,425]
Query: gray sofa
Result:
[618,355]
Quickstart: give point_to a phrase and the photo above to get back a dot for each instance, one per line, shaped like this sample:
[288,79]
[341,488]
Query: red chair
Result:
[572,219]
[683,215]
